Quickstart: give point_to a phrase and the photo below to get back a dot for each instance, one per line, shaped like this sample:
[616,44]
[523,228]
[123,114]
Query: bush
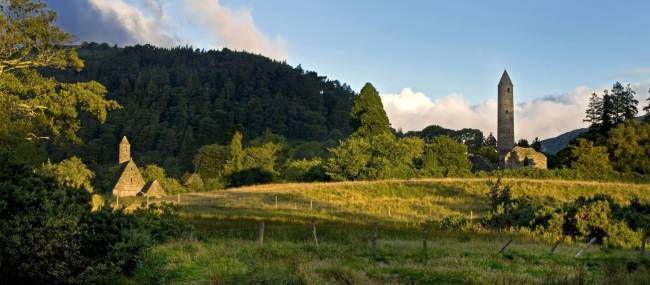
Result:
[298,170]
[250,176]
[453,222]
[50,235]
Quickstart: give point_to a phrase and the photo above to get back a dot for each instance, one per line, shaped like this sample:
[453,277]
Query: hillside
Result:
[226,247]
[176,100]
[553,145]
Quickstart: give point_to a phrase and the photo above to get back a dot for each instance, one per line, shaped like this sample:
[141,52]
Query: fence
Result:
[312,229]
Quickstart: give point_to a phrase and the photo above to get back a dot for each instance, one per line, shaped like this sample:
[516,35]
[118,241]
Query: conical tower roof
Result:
[505,79]
[124,140]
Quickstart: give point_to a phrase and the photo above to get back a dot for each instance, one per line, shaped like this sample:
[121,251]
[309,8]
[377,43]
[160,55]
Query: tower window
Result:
[508,89]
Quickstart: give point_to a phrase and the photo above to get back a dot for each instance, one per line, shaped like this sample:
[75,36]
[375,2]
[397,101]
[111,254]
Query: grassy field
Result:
[224,249]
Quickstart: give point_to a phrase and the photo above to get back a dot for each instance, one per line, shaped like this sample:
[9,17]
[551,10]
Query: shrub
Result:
[453,222]
[298,170]
[250,176]
[50,235]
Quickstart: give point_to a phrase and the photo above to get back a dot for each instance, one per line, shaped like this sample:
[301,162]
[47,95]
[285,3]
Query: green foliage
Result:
[250,176]
[302,170]
[348,160]
[378,157]
[613,108]
[309,150]
[523,143]
[117,238]
[489,152]
[445,157]
[472,138]
[454,222]
[491,141]
[629,147]
[588,160]
[212,160]
[71,172]
[236,160]
[263,157]
[33,107]
[176,100]
[50,236]
[368,116]
[171,185]
[40,222]
[536,145]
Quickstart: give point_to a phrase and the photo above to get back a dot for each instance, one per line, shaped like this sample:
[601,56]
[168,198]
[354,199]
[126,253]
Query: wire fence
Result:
[312,230]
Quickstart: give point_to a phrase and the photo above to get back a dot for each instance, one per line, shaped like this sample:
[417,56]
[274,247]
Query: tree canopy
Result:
[368,116]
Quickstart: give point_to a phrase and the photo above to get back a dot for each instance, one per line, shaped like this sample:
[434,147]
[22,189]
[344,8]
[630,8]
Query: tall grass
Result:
[224,249]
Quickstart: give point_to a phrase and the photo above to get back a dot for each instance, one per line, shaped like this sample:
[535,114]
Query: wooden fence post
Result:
[311,204]
[260,237]
[276,202]
[147,200]
[117,202]
[503,248]
[424,244]
[585,247]
[375,235]
[471,215]
[643,241]
[313,230]
[554,246]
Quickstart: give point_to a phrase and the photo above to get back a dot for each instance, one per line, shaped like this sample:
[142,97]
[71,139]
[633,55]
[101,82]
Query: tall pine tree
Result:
[625,106]
[594,112]
[368,116]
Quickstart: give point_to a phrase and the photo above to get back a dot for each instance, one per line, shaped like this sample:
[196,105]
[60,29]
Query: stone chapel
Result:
[128,181]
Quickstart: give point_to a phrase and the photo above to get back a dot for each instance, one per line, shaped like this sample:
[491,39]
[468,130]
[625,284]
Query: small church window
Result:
[508,89]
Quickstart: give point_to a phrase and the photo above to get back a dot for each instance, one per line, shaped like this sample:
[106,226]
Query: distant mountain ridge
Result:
[554,145]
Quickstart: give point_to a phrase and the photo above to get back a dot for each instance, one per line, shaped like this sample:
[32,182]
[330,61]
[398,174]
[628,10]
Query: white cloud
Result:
[154,22]
[235,29]
[543,118]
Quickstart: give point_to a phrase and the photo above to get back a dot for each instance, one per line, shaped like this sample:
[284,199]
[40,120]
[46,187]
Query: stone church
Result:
[128,181]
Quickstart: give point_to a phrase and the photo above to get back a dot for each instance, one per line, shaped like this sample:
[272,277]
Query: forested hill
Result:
[176,100]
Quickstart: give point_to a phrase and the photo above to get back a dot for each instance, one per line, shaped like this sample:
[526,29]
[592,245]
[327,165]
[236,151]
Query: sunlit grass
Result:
[224,249]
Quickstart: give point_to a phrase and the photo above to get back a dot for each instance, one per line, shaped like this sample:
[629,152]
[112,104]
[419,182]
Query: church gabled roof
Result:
[127,170]
[505,79]
[153,189]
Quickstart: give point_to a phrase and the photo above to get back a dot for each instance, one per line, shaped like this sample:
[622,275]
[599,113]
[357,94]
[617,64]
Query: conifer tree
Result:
[237,153]
[368,116]
[608,115]
[625,106]
[536,145]
[594,112]
[491,140]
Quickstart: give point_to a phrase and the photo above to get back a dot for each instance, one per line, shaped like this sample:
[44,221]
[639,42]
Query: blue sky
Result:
[437,48]
[440,47]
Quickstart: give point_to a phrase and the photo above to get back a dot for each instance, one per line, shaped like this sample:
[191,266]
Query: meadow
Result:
[410,247]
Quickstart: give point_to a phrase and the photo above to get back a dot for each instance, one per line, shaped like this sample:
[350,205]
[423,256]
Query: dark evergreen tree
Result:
[625,106]
[594,112]
[491,140]
[536,145]
[176,100]
[523,143]
[368,116]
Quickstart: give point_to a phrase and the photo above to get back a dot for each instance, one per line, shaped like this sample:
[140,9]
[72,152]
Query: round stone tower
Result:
[124,151]
[505,117]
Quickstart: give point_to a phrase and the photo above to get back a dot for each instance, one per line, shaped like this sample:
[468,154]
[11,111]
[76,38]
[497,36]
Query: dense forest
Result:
[177,100]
